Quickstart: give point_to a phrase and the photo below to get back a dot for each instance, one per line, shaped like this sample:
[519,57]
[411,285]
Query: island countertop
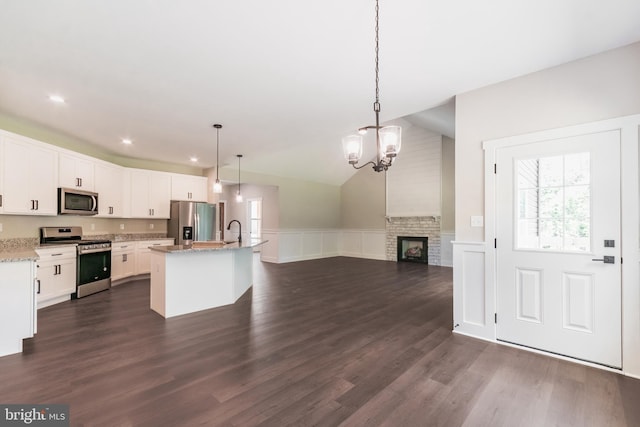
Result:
[215,246]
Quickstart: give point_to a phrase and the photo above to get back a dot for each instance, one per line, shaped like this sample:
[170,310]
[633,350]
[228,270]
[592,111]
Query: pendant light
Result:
[388,138]
[238,194]
[217,187]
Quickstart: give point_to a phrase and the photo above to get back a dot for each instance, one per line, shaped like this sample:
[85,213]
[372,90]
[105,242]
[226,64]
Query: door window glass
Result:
[554,203]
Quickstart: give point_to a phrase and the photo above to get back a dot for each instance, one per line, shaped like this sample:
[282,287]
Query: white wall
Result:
[599,87]
[414,181]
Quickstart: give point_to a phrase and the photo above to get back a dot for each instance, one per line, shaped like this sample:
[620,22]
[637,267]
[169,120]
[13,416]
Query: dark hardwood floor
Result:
[330,342]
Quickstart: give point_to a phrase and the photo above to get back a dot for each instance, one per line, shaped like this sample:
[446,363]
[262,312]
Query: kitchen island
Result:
[186,279]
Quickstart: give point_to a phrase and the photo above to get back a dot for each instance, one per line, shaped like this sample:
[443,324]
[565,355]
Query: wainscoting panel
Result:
[446,248]
[300,245]
[472,315]
[368,244]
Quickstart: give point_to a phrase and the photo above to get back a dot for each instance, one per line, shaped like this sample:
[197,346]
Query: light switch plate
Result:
[477,221]
[121,226]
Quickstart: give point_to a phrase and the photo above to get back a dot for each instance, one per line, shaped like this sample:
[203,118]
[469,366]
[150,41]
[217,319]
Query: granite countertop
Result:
[24,249]
[189,248]
[18,254]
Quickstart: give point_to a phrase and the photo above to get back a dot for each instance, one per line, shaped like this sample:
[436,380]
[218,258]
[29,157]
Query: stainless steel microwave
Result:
[77,202]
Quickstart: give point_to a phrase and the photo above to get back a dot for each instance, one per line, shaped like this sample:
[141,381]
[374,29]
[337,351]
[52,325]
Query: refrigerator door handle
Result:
[197,226]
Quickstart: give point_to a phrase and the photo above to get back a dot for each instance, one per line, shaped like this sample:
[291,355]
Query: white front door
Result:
[558,221]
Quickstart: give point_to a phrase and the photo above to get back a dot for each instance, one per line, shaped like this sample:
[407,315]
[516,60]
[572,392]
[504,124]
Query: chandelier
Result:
[388,138]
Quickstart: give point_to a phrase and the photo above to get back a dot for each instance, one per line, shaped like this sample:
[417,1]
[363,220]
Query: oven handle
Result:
[93,251]
[94,201]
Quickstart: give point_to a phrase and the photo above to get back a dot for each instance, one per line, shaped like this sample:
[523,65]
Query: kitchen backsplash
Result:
[7,245]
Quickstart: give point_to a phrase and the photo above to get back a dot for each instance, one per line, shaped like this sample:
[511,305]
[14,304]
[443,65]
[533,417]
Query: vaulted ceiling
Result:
[286,79]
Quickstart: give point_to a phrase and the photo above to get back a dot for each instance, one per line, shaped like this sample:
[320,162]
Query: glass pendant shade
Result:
[352,147]
[238,197]
[390,141]
[217,186]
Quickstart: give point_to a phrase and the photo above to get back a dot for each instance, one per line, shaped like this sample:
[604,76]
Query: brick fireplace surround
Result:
[418,226]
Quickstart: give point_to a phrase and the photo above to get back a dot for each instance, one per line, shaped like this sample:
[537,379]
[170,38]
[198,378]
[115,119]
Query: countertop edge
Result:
[188,249]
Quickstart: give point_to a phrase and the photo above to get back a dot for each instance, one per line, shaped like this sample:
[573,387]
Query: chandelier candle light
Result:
[238,194]
[217,186]
[388,138]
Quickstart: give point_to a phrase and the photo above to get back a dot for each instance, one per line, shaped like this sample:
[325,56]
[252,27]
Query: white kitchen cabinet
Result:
[110,186]
[30,176]
[123,260]
[143,254]
[150,194]
[17,305]
[56,274]
[188,187]
[76,171]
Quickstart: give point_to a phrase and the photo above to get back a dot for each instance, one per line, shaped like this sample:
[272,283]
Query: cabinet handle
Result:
[38,280]
[56,254]
[110,210]
[124,257]
[37,204]
[80,181]
[33,205]
[0,200]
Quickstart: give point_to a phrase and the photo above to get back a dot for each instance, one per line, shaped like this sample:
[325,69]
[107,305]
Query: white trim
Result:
[630,211]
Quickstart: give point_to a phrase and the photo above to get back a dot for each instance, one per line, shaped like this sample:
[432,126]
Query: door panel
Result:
[557,203]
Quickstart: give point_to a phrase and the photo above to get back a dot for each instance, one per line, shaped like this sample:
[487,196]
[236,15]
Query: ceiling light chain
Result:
[388,138]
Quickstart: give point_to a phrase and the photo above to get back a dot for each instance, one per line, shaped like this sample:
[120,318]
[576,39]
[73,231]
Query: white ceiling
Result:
[287,79]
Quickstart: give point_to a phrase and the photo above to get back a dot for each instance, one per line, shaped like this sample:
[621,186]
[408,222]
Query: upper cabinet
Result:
[30,176]
[111,188]
[76,171]
[188,187]
[150,194]
[31,172]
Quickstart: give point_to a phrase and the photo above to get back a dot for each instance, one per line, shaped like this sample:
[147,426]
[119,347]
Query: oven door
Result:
[93,267]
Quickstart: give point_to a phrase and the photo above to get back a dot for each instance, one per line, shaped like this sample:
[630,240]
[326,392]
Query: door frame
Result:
[630,227]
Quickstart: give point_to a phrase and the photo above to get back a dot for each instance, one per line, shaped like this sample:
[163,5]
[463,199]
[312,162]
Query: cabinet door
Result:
[32,172]
[189,188]
[76,172]
[109,184]
[123,264]
[140,188]
[56,279]
[160,195]
[43,185]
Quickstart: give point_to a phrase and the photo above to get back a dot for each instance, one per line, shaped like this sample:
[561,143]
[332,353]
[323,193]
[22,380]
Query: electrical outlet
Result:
[121,226]
[151,226]
[93,226]
[0,227]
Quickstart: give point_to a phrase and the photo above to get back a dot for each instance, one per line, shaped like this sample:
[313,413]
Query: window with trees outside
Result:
[553,209]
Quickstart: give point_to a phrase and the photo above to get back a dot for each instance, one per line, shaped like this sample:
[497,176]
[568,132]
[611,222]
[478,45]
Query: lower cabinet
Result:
[132,258]
[17,309]
[123,260]
[143,254]
[55,275]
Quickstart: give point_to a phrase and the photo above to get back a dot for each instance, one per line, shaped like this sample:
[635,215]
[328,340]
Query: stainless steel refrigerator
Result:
[192,221]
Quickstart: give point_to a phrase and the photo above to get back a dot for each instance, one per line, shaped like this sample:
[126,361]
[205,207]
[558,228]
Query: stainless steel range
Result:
[93,266]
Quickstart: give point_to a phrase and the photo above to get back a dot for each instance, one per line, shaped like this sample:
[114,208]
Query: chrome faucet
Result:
[239,229]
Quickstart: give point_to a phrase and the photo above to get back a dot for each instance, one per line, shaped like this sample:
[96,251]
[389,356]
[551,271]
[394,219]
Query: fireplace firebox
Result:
[413,249]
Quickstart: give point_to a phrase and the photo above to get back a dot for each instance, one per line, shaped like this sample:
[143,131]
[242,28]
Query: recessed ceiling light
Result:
[127,141]
[193,159]
[57,99]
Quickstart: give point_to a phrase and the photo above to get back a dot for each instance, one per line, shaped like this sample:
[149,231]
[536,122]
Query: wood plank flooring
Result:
[330,342]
